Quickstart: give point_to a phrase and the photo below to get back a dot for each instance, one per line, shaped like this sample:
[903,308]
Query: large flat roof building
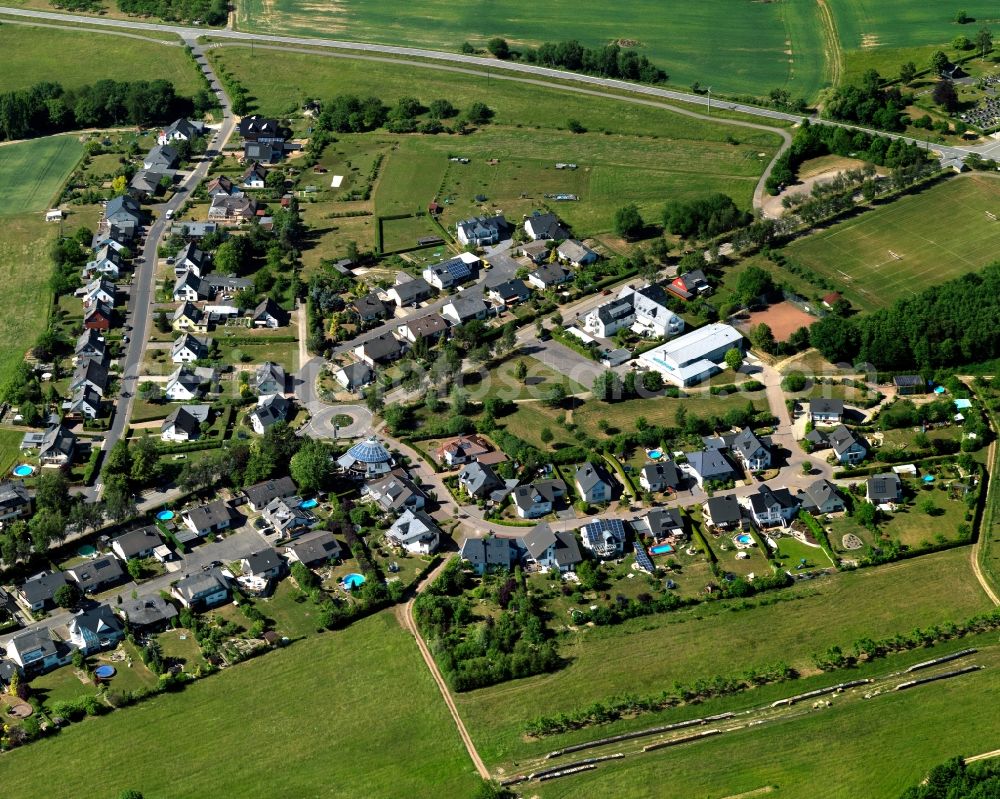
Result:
[693,357]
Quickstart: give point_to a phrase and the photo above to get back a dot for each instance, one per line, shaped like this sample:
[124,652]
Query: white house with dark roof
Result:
[147,613]
[545,226]
[264,564]
[846,446]
[382,349]
[452,272]
[38,592]
[181,130]
[753,452]
[188,348]
[660,476]
[202,589]
[191,288]
[57,447]
[548,550]
[771,507]
[95,575]
[490,553]
[95,629]
[709,466]
[537,499]
[395,492]
[821,497]
[184,384]
[313,549]
[139,543]
[429,327]
[260,494]
[15,500]
[271,409]
[576,253]
[722,512]
[409,291]
[593,483]
[184,423]
[826,411]
[355,376]
[478,480]
[482,230]
[549,276]
[464,308]
[884,491]
[35,651]
[191,259]
[605,538]
[661,523]
[207,519]
[268,314]
[416,532]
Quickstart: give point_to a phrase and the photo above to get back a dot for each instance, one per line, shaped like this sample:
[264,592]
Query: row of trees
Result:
[705,217]
[211,12]
[869,103]
[349,113]
[957,322]
[48,107]
[610,61]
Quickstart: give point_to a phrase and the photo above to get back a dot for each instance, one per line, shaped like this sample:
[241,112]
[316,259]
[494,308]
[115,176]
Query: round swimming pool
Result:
[23,470]
[306,504]
[353,580]
[655,454]
[165,515]
[744,538]
[86,551]
[104,672]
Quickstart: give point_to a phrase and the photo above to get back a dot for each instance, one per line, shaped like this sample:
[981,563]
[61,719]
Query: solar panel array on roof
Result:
[642,559]
[605,536]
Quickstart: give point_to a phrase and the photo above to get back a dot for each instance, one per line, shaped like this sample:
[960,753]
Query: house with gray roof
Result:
[395,492]
[464,308]
[545,226]
[593,483]
[57,446]
[184,384]
[409,291]
[264,564]
[35,652]
[826,410]
[722,512]
[90,373]
[138,543]
[95,629]
[188,348]
[480,231]
[181,130]
[605,538]
[846,446]
[260,494]
[38,592]
[270,410]
[429,327]
[576,253]
[490,553]
[370,308]
[147,614]
[189,316]
[191,288]
[201,590]
[753,452]
[479,480]
[533,500]
[662,523]
[269,314]
[123,211]
[145,183]
[382,349]
[821,497]
[314,549]
[286,516]
[211,518]
[84,404]
[453,271]
[661,475]
[710,466]
[771,507]
[185,423]
[510,292]
[93,576]
[91,344]
[269,378]
[355,376]
[549,276]
[15,500]
[416,532]
[548,550]
[884,490]
[162,158]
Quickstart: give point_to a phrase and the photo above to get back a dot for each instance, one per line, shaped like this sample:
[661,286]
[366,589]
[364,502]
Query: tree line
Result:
[610,61]
[211,12]
[47,107]
[957,322]
[349,113]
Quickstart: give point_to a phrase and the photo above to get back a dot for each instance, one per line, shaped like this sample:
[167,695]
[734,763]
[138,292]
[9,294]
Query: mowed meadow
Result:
[346,714]
[735,46]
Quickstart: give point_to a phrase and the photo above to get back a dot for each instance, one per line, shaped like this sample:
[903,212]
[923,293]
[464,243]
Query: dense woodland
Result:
[956,780]
[49,108]
[944,326]
[210,12]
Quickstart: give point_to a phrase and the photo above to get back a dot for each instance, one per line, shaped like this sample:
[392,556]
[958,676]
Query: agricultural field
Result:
[767,44]
[826,754]
[364,690]
[32,172]
[712,639]
[34,54]
[900,249]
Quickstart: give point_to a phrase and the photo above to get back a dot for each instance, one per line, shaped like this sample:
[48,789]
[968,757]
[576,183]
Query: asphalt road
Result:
[142,294]
[990,149]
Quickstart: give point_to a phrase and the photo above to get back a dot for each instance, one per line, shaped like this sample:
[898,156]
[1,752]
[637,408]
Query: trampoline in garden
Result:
[353,580]
[104,672]
[306,504]
[165,515]
[23,470]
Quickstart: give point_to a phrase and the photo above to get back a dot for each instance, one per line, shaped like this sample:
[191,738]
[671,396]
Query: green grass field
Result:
[34,54]
[10,448]
[32,172]
[348,714]
[932,245]
[758,46]
[711,640]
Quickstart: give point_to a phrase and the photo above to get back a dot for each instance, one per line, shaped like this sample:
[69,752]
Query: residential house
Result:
[608,318]
[884,490]
[234,210]
[190,317]
[36,652]
[99,290]
[593,483]
[106,261]
[271,409]
[184,384]
[463,449]
[826,411]
[480,231]
[710,466]
[260,494]
[509,293]
[661,523]
[91,344]
[193,231]
[545,226]
[452,272]
[380,350]
[576,253]
[846,446]
[536,251]
[189,348]
[15,501]
[416,532]
[263,129]
[269,314]
[262,153]
[605,538]
[57,446]
[254,176]
[722,512]
[907,385]
[147,614]
[123,212]
[354,376]
[181,130]
[690,285]
[191,288]
[428,328]
[490,553]
[370,308]
[395,492]
[208,519]
[161,158]
[547,550]
[38,592]
[770,507]
[652,316]
[366,460]
[662,475]
[314,549]
[409,292]
[286,515]
[269,378]
[221,185]
[821,497]
[98,316]
[95,629]
[85,403]
[145,184]
[478,480]
[464,308]
[533,500]
[137,544]
[184,423]
[549,276]
[191,259]
[753,452]
[201,590]
[264,564]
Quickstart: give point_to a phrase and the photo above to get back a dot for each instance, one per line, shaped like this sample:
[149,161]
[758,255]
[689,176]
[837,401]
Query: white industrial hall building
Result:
[693,357]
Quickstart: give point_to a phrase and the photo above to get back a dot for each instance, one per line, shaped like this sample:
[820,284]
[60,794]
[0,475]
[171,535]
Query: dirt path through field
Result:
[831,43]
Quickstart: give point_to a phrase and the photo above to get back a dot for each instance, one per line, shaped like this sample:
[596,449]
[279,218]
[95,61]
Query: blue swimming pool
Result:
[306,504]
[353,580]
[661,549]
[744,538]
[104,672]
[86,551]
[928,478]
[165,515]
[23,470]
[655,454]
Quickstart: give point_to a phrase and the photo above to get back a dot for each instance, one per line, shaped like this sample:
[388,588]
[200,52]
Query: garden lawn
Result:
[711,640]
[368,717]
[292,618]
[900,249]
[660,410]
[10,448]
[501,381]
[35,54]
[745,47]
[32,173]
